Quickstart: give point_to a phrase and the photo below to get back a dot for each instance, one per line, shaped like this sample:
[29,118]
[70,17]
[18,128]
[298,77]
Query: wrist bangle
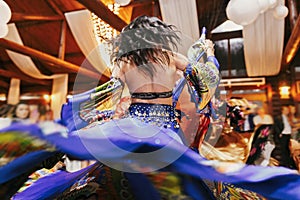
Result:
[213,60]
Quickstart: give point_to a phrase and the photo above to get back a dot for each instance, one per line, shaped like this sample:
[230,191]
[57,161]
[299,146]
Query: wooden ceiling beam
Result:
[226,35]
[55,7]
[102,11]
[3,90]
[48,58]
[36,88]
[4,84]
[27,24]
[62,42]
[74,54]
[292,46]
[20,17]
[140,3]
[10,74]
[293,12]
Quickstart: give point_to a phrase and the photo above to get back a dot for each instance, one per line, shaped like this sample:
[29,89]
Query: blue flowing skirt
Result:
[135,147]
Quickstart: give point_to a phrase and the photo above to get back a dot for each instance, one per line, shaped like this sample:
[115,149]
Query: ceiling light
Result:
[123,2]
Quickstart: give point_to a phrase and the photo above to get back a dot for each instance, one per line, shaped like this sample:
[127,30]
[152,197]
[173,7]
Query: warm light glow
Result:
[284,92]
[47,97]
[123,2]
[102,30]
[291,54]
[2,97]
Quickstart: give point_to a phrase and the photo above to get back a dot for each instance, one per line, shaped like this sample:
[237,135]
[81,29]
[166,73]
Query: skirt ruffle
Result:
[134,147]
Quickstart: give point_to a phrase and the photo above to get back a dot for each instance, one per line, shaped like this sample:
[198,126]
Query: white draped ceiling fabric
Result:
[263,33]
[182,14]
[26,65]
[81,27]
[14,91]
[59,93]
[263,45]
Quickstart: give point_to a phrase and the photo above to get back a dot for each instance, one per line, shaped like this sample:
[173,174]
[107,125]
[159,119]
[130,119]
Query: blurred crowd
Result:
[241,132]
[25,113]
[281,143]
[276,136]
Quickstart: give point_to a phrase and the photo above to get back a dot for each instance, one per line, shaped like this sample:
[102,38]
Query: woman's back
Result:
[162,80]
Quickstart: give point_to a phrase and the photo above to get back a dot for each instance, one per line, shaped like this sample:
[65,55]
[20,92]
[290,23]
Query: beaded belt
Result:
[151,95]
[156,114]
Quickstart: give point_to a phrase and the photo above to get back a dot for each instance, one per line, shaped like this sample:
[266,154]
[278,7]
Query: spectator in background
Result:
[242,110]
[49,115]
[262,117]
[20,112]
[5,112]
[249,122]
[294,121]
[34,114]
[262,144]
[46,114]
[282,131]
[39,113]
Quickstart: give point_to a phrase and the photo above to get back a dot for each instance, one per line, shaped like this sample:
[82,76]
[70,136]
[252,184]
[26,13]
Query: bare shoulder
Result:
[115,71]
[180,60]
[118,69]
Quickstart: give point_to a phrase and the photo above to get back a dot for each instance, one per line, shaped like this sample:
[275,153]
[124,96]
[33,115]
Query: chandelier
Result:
[102,30]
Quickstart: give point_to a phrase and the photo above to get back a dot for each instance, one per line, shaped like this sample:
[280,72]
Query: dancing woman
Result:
[145,60]
[141,155]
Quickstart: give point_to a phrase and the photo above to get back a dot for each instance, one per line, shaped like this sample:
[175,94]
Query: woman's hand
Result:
[209,48]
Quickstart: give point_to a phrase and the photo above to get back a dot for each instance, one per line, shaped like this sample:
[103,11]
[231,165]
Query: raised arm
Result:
[180,61]
[202,74]
[209,47]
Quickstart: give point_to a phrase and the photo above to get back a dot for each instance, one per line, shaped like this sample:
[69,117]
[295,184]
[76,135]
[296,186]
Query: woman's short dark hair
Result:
[144,40]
